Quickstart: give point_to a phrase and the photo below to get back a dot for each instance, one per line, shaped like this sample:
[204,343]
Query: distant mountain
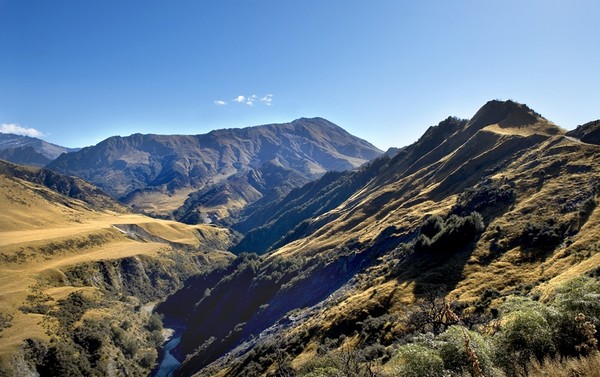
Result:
[588,133]
[30,151]
[219,172]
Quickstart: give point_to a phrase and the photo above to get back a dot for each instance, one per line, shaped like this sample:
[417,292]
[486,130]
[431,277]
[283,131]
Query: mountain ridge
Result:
[28,150]
[141,169]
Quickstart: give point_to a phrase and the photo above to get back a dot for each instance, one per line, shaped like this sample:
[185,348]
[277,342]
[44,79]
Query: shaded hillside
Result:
[284,220]
[156,173]
[497,208]
[588,133]
[30,151]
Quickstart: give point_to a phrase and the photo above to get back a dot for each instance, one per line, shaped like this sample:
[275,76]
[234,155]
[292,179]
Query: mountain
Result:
[219,172]
[27,150]
[587,133]
[479,224]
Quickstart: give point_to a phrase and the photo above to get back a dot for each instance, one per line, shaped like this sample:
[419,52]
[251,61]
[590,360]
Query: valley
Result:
[298,250]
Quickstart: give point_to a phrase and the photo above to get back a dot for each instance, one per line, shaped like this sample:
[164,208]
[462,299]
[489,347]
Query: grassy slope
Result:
[43,234]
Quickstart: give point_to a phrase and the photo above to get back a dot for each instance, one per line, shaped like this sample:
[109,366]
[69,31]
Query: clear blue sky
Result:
[79,71]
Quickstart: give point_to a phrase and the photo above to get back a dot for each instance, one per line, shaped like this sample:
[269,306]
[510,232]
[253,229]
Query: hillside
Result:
[587,133]
[30,151]
[74,264]
[207,177]
[474,217]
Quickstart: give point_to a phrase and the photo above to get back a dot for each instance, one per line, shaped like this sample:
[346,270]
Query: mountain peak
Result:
[511,117]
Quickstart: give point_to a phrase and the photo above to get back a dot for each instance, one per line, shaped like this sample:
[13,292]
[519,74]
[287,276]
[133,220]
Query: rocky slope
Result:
[30,151]
[498,208]
[224,169]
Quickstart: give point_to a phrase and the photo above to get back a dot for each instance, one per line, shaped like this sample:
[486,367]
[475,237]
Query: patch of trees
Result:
[448,235]
[84,346]
[488,196]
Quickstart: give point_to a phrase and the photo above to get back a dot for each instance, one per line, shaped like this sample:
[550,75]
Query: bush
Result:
[577,316]
[543,236]
[525,335]
[413,360]
[488,194]
[454,351]
[437,235]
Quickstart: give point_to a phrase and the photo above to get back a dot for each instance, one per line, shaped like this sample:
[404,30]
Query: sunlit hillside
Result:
[55,248]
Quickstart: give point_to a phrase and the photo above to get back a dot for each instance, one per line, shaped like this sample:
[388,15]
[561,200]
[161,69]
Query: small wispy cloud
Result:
[267,100]
[12,128]
[250,100]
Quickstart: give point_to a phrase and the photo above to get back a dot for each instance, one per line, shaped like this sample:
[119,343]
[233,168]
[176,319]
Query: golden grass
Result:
[572,367]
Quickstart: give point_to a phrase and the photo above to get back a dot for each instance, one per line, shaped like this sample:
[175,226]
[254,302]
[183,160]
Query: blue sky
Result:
[78,71]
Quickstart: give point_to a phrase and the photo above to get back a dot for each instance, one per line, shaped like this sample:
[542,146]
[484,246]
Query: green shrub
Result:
[450,235]
[525,335]
[576,316]
[413,360]
[453,351]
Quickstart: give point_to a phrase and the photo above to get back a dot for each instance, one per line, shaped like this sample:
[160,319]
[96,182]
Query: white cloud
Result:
[11,128]
[267,100]
[249,100]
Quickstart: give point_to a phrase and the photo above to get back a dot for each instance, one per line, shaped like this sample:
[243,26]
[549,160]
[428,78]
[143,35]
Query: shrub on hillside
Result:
[451,234]
[488,194]
[414,360]
[543,236]
[577,316]
[463,351]
[525,335]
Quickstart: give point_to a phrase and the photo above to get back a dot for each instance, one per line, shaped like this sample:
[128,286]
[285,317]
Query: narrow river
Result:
[168,362]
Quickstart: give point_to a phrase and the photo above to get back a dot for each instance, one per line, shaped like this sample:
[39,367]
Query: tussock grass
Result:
[588,366]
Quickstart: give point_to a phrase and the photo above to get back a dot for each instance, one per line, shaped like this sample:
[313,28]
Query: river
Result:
[169,363]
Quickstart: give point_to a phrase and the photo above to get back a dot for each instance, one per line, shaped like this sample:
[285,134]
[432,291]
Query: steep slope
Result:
[30,151]
[75,265]
[157,173]
[497,206]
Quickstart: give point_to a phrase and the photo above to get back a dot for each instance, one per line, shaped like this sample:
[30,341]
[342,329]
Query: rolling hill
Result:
[207,177]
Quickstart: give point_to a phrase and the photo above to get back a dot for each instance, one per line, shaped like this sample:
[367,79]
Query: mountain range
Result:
[473,251]
[208,177]
[31,151]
